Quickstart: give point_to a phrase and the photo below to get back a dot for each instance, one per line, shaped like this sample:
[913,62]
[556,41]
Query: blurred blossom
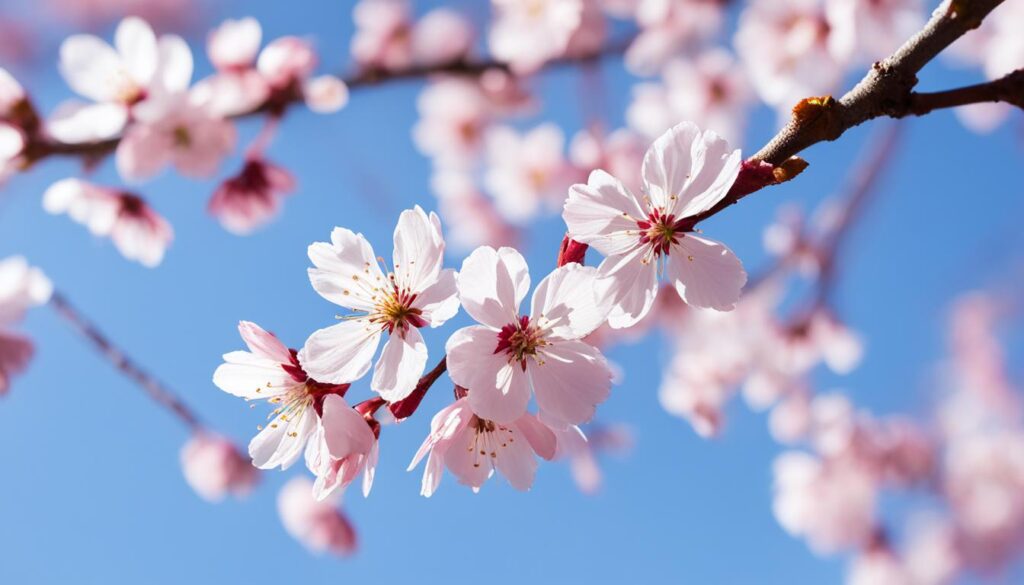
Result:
[709,90]
[582,451]
[669,26]
[790,419]
[831,503]
[21,287]
[528,33]
[996,45]
[470,217]
[167,14]
[591,33]
[214,467]
[789,51]
[387,39]
[786,238]
[527,173]
[873,29]
[472,448]
[620,154]
[137,231]
[453,115]
[252,198]
[983,118]
[319,525]
[878,567]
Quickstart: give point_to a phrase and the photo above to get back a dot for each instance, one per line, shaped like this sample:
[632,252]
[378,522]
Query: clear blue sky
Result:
[92,490]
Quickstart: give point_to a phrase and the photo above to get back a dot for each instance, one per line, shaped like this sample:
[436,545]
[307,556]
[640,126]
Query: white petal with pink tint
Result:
[492,284]
[603,214]
[400,365]
[325,94]
[74,123]
[686,172]
[440,301]
[418,249]
[341,353]
[137,45]
[235,43]
[12,141]
[280,444]
[630,284]
[706,273]
[565,302]
[570,380]
[93,68]
[498,390]
[346,270]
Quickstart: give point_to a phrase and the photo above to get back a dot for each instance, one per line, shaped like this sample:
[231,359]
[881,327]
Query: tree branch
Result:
[1008,89]
[150,385]
[41,147]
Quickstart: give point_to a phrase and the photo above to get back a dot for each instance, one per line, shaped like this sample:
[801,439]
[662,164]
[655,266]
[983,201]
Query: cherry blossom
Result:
[271,371]
[387,39]
[453,115]
[620,152]
[417,293]
[344,445]
[582,449]
[470,216]
[508,356]
[788,50]
[318,524]
[666,27]
[526,173]
[214,468]
[138,232]
[528,33]
[831,503]
[252,198]
[21,287]
[710,90]
[138,67]
[685,173]
[472,448]
[873,30]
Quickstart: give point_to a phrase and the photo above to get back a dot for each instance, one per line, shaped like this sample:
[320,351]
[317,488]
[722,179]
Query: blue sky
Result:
[92,489]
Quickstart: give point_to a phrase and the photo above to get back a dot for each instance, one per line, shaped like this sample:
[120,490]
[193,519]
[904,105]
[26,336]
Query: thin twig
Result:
[102,344]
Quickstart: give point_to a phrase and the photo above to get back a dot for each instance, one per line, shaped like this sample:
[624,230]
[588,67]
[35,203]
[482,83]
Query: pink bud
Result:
[214,467]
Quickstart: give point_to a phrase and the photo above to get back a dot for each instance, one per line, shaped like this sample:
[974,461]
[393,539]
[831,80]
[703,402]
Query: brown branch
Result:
[150,385]
[1008,89]
[41,147]
[885,90]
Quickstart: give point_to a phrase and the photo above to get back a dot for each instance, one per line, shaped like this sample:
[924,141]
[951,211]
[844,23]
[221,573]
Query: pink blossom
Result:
[441,36]
[235,44]
[667,27]
[789,51]
[581,450]
[318,524]
[471,217]
[383,34]
[509,356]
[271,371]
[996,44]
[685,173]
[453,115]
[830,503]
[873,29]
[878,567]
[790,419]
[138,232]
[620,152]
[343,446]
[214,468]
[591,33]
[985,117]
[21,287]
[526,172]
[177,132]
[12,94]
[472,448]
[253,197]
[710,90]
[417,293]
[528,33]
[139,67]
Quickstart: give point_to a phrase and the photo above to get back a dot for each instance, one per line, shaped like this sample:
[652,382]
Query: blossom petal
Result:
[345,430]
[540,437]
[570,381]
[248,376]
[74,123]
[263,343]
[419,249]
[281,442]
[341,353]
[136,44]
[439,301]
[498,390]
[603,214]
[687,171]
[346,270]
[91,67]
[566,303]
[400,365]
[492,283]
[517,463]
[630,285]
[706,273]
